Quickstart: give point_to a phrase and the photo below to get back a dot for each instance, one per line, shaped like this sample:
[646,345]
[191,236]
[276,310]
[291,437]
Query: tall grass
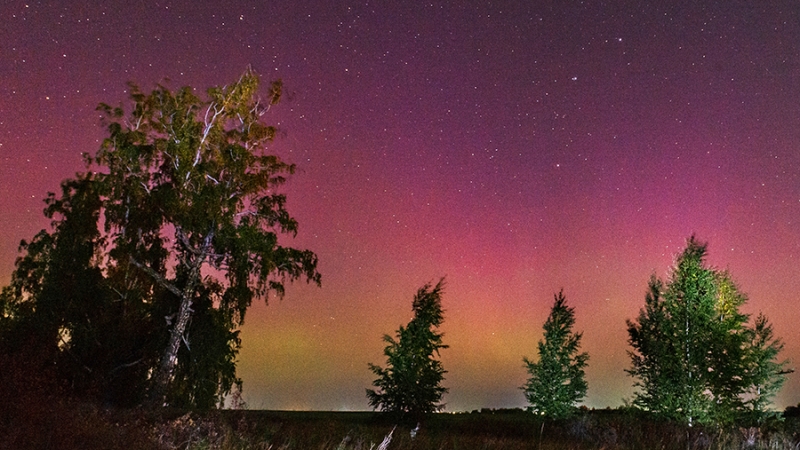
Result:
[43,422]
[366,431]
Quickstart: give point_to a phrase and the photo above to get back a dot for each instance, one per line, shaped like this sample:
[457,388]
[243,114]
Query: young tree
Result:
[411,382]
[557,380]
[695,357]
[683,327]
[656,363]
[765,372]
[188,197]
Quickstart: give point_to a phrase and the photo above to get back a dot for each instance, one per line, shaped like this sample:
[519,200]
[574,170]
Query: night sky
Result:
[516,148]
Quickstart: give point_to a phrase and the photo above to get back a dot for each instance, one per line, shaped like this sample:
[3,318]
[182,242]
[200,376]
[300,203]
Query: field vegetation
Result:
[47,422]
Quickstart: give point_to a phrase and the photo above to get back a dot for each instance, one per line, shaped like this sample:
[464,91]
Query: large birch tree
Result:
[190,180]
[187,195]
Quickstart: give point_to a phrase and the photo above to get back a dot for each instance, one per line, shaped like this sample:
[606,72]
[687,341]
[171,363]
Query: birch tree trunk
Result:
[169,361]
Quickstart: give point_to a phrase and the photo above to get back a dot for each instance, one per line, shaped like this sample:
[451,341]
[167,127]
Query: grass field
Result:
[66,425]
[485,430]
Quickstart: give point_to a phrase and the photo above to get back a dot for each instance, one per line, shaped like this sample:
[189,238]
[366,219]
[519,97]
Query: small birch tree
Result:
[557,380]
[695,358]
[411,382]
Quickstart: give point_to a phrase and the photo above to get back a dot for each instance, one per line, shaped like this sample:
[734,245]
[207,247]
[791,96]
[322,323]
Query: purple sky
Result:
[516,147]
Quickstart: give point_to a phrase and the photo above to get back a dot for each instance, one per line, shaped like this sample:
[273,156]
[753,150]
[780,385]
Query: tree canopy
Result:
[411,382]
[696,357]
[557,383]
[156,253]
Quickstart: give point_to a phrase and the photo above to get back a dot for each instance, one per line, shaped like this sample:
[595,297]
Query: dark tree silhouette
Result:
[410,384]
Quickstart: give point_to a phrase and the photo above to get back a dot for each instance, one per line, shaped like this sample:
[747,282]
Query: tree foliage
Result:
[411,382]
[557,382]
[156,253]
[695,356]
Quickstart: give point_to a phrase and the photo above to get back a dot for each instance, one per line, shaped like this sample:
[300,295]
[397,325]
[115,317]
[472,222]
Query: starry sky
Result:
[516,148]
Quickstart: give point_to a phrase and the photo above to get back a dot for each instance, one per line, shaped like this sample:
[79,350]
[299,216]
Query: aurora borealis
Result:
[516,148]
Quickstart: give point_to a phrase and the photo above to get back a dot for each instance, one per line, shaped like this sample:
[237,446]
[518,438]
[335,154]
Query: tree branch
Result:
[161,280]
[125,366]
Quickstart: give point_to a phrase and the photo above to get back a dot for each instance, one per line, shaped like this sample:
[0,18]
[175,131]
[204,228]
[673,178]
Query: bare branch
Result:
[124,366]
[161,280]
[197,155]
[186,341]
[186,244]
